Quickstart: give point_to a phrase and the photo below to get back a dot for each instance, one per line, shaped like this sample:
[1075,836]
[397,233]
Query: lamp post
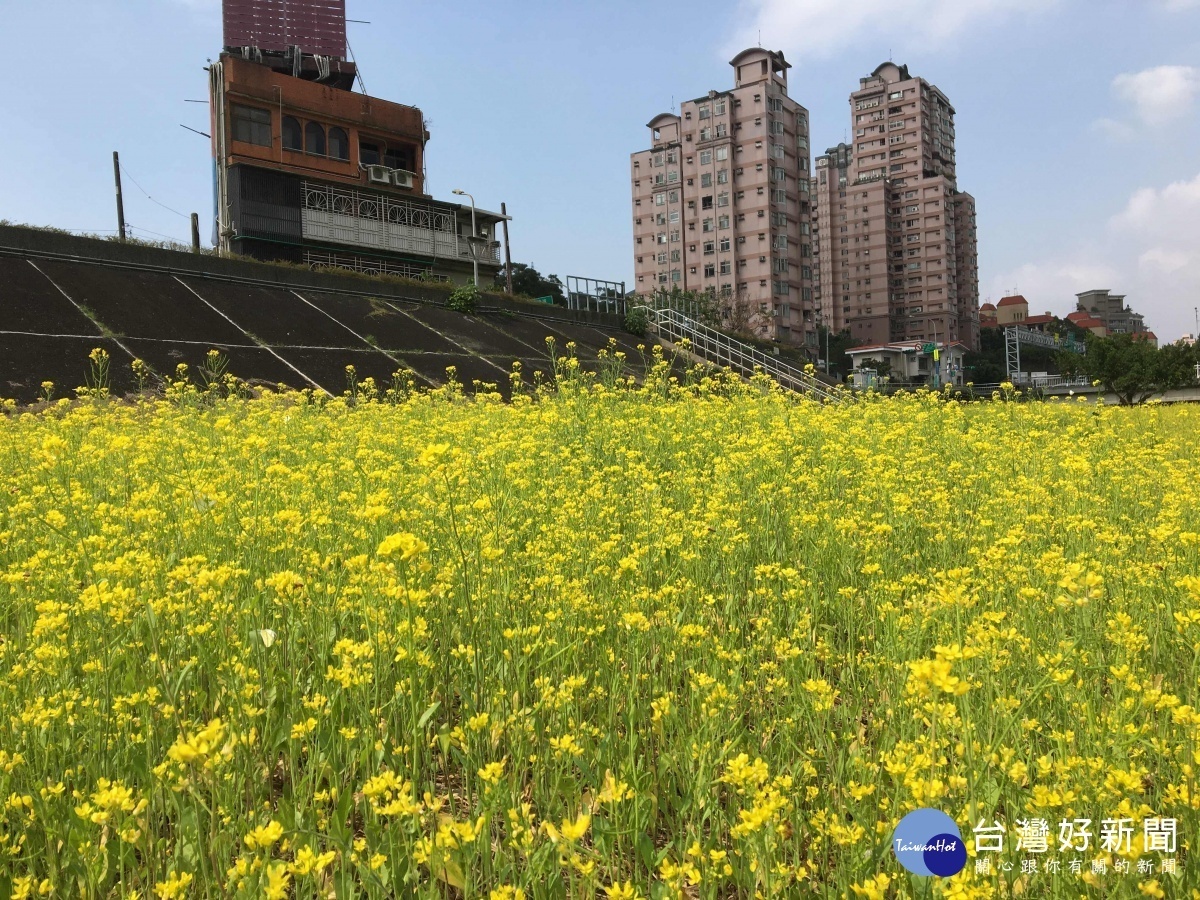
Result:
[474,235]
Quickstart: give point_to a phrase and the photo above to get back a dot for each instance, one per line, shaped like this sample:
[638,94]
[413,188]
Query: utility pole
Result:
[120,200]
[507,255]
[195,232]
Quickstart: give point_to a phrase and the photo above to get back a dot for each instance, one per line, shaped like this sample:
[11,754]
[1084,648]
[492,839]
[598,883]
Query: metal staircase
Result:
[719,349]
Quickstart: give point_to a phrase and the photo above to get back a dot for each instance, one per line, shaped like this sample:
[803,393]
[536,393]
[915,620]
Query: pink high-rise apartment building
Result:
[721,203]
[894,237]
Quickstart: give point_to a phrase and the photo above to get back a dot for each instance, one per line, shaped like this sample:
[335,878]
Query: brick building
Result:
[308,171]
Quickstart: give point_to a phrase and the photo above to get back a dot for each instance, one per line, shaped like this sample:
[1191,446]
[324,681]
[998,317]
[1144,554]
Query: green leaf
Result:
[428,714]
[449,871]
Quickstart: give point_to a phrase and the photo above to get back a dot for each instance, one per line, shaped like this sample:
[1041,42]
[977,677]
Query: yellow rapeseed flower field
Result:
[696,640]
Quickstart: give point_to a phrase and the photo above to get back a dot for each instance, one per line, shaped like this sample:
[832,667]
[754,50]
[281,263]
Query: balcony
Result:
[361,219]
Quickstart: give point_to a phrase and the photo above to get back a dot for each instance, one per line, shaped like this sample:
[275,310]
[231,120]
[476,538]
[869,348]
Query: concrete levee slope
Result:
[62,295]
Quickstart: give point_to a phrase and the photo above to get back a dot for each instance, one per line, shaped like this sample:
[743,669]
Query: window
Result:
[780,287]
[674,216]
[292,137]
[776,127]
[723,222]
[725,267]
[708,225]
[710,270]
[723,198]
[706,134]
[368,153]
[710,248]
[705,112]
[722,153]
[660,199]
[706,157]
[339,143]
[706,179]
[252,125]
[719,108]
[724,245]
[706,202]
[723,176]
[314,139]
[722,130]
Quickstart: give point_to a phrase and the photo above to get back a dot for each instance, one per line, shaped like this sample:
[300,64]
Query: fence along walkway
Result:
[721,350]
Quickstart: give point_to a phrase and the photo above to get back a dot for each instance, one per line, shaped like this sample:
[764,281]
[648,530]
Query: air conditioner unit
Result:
[379,175]
[402,179]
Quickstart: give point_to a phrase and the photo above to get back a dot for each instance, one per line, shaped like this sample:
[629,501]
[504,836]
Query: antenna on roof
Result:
[672,104]
[760,39]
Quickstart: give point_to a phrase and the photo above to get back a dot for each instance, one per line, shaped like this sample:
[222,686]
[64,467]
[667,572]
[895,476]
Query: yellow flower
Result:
[409,545]
[624,891]
[263,837]
[278,880]
[196,748]
[175,886]
[492,772]
[308,862]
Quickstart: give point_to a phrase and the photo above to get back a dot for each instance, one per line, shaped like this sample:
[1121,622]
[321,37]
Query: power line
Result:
[167,237]
[126,173]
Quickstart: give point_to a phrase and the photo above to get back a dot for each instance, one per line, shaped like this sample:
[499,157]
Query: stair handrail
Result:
[719,348]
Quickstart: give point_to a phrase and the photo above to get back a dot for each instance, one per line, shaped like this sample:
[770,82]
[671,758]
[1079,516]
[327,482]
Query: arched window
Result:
[314,139]
[291,134]
[339,143]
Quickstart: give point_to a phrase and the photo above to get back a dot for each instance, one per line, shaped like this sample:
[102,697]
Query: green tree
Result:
[1133,369]
[529,281]
[838,342]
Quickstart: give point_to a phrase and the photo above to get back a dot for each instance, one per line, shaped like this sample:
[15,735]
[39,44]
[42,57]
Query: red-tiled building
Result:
[308,171]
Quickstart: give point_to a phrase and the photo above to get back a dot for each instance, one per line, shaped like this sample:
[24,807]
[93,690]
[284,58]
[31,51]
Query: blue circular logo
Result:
[928,842]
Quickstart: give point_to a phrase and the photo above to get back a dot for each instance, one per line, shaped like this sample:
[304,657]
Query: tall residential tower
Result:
[894,235]
[721,202]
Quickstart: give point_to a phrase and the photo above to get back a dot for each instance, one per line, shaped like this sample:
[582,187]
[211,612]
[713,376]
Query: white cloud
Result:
[1180,5]
[822,27]
[1052,286]
[1167,261]
[1171,213]
[1161,94]
[1148,251]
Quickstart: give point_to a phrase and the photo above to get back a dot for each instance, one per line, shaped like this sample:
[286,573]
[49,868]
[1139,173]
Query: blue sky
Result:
[1078,120]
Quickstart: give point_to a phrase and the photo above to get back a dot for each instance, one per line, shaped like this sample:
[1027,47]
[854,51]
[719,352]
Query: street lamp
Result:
[474,235]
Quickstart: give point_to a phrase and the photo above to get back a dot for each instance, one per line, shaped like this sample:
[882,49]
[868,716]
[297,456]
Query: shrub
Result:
[637,321]
[464,299]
